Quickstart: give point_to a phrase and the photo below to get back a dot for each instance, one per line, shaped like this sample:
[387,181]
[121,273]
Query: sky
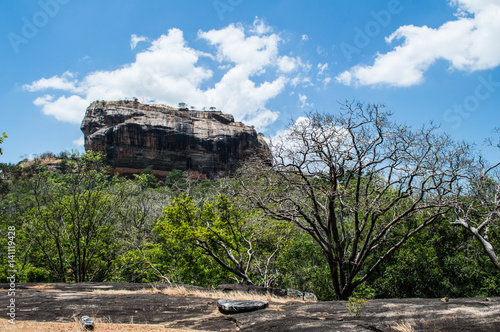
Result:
[266,62]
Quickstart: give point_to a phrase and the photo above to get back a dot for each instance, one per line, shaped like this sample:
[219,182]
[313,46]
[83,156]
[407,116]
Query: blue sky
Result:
[265,62]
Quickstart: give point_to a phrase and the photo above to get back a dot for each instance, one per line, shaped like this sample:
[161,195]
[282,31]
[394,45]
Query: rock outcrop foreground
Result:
[45,302]
[134,136]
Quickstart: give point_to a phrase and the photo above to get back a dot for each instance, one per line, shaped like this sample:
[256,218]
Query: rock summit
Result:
[134,136]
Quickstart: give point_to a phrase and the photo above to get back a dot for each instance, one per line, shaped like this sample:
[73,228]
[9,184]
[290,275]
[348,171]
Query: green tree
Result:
[302,266]
[236,242]
[72,221]
[440,261]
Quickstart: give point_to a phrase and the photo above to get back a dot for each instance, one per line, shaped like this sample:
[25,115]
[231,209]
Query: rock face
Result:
[135,136]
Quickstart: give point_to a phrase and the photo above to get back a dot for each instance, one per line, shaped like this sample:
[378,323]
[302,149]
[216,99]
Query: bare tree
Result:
[477,207]
[358,184]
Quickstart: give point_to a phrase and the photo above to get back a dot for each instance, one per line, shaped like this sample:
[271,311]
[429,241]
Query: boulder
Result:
[293,293]
[228,307]
[309,297]
[134,136]
[87,323]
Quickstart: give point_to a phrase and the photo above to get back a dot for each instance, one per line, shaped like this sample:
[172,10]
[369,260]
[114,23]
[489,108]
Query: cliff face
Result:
[135,136]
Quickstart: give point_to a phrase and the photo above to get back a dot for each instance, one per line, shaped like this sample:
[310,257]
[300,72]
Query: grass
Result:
[75,326]
[403,327]
[179,290]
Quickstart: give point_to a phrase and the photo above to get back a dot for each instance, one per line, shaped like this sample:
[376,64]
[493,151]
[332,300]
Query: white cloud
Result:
[323,75]
[67,109]
[260,27]
[253,52]
[305,37]
[64,82]
[287,64]
[303,101]
[322,67]
[469,43]
[169,72]
[291,143]
[134,40]
[305,81]
[284,143]
[79,141]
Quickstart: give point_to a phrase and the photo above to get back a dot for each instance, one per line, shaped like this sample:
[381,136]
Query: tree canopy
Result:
[359,184]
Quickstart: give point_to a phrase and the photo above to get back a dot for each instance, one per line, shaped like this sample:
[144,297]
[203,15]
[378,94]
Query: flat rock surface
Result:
[63,302]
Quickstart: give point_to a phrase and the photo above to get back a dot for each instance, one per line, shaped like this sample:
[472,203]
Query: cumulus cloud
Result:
[469,43]
[305,37]
[169,71]
[292,142]
[63,82]
[287,64]
[252,52]
[284,142]
[67,109]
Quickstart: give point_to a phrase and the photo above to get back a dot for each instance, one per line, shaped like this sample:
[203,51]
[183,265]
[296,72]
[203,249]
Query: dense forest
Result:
[352,204]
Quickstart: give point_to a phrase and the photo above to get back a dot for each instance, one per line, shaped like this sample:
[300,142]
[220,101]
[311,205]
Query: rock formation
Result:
[135,136]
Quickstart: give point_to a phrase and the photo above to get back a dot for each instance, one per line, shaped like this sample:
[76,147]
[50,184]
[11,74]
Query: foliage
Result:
[77,222]
[354,306]
[438,262]
[146,178]
[302,265]
[2,137]
[72,232]
[176,179]
[234,241]
[71,222]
